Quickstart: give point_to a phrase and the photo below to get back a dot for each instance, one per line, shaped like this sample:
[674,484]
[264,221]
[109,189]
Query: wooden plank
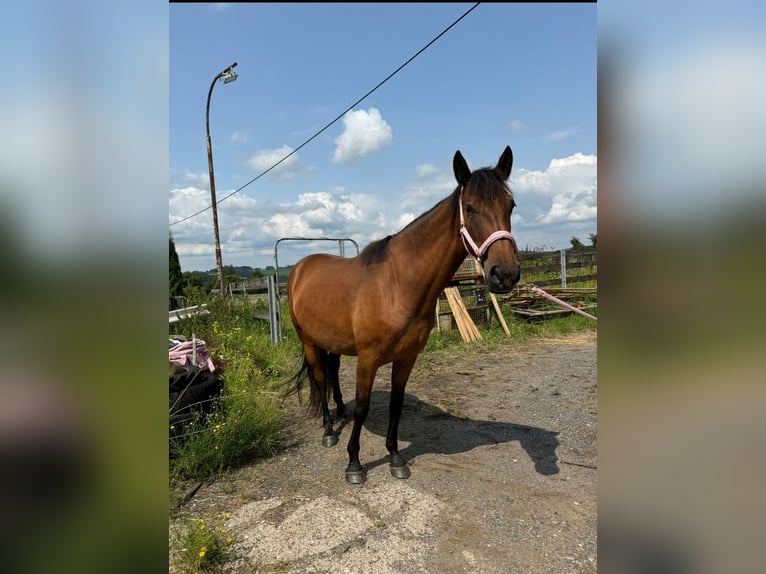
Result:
[455,307]
[536,270]
[470,326]
[580,265]
[499,314]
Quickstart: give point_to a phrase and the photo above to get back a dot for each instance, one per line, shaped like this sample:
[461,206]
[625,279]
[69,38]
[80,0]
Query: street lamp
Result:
[228,75]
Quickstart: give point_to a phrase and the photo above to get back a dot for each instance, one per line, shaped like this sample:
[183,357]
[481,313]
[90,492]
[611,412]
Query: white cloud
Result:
[572,206]
[187,199]
[554,204]
[290,168]
[365,132]
[432,184]
[248,229]
[565,192]
[289,225]
[575,160]
[426,170]
[405,219]
[201,180]
[518,126]
[560,135]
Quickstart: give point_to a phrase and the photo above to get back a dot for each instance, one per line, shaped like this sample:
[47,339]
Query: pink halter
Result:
[470,244]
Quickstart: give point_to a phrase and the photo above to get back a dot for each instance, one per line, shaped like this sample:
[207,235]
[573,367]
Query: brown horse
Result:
[379,306]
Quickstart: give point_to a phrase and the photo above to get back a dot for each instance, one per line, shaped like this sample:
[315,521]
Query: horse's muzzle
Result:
[501,279]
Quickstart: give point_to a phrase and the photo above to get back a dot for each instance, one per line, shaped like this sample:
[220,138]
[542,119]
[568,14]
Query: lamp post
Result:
[228,75]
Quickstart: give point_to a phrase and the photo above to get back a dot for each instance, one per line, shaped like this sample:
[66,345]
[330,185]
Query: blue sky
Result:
[507,74]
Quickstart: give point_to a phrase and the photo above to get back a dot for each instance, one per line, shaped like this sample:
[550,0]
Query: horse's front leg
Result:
[400,374]
[365,376]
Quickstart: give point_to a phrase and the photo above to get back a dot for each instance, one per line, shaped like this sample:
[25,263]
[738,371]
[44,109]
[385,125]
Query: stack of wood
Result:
[466,326]
[521,296]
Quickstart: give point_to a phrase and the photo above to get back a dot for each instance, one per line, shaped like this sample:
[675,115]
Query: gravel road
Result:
[502,448]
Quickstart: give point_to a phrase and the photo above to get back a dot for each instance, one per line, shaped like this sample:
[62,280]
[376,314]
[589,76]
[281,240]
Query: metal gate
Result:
[275,315]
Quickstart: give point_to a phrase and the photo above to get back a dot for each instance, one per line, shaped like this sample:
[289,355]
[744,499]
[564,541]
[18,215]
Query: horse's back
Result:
[314,271]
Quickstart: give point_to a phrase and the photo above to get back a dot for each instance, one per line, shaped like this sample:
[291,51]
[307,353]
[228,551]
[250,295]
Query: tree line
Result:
[192,285]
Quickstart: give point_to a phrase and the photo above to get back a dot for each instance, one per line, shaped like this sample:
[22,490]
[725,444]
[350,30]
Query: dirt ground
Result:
[502,448]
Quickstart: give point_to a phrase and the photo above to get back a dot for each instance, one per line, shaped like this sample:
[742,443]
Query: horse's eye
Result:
[469,209]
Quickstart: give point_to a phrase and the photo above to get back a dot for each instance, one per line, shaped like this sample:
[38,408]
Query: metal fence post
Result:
[275,321]
[563,268]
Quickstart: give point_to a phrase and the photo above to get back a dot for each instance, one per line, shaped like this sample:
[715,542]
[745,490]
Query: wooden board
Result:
[466,326]
[499,314]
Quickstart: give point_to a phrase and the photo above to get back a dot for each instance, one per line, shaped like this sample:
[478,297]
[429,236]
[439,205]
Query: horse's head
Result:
[485,204]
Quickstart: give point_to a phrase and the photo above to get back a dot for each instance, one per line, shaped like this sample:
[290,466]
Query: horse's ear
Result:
[504,164]
[459,165]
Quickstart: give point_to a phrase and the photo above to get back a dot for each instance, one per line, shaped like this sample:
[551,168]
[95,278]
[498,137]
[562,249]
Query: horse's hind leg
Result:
[400,374]
[333,367]
[317,359]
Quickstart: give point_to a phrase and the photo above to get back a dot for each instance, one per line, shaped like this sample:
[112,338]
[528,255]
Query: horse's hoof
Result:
[356,476]
[400,471]
[329,440]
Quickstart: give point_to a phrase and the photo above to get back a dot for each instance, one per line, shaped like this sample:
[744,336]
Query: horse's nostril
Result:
[499,276]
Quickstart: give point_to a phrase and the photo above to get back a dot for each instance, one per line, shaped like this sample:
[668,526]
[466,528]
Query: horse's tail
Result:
[296,383]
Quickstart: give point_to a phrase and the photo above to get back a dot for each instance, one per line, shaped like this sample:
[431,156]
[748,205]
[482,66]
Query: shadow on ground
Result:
[431,430]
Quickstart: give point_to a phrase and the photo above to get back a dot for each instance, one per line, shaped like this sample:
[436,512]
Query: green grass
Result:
[247,418]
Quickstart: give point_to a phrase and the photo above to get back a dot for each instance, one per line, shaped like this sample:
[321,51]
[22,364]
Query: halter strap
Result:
[470,244]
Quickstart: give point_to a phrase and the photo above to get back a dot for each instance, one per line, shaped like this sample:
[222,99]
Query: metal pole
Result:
[218,260]
[563,268]
[275,319]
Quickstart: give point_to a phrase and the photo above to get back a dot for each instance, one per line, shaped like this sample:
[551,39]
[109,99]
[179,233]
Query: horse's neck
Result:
[435,253]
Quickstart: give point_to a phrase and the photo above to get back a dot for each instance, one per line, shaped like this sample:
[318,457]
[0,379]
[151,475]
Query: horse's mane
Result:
[375,252]
[485,182]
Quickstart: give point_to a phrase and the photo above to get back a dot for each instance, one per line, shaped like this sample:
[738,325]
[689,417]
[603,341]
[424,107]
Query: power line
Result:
[339,116]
